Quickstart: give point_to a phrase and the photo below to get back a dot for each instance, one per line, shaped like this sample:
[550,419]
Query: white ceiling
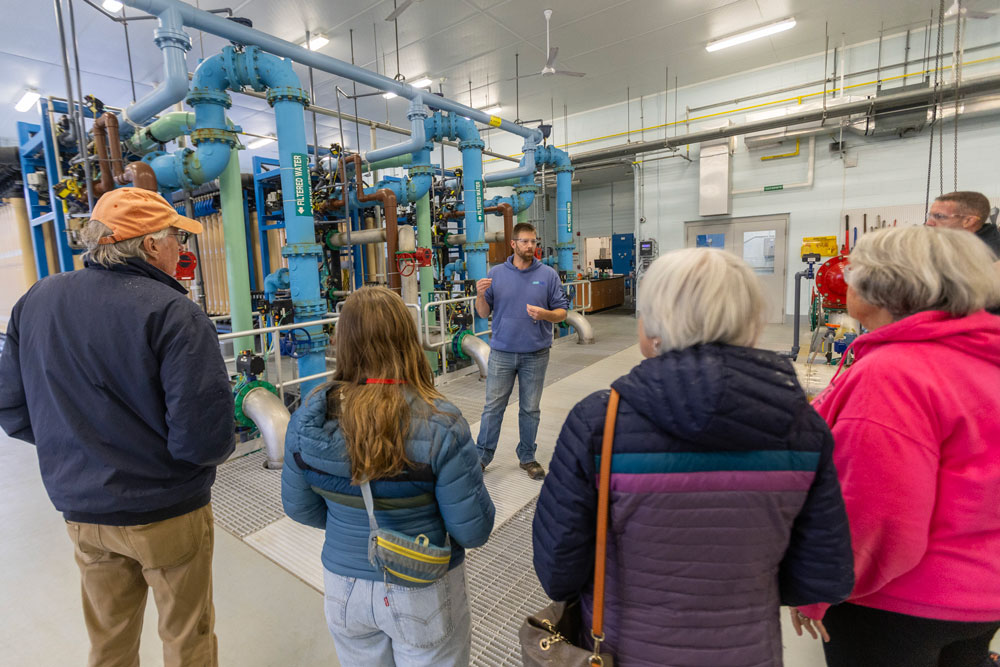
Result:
[620,44]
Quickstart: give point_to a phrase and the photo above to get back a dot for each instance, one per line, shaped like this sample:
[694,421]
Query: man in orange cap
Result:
[117,378]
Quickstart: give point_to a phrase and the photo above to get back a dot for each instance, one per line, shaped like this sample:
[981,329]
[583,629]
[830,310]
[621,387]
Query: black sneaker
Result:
[534,470]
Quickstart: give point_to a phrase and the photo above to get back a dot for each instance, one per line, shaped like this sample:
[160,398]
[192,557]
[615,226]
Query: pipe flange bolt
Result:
[209,134]
[248,69]
[471,143]
[290,93]
[421,170]
[480,246]
[184,161]
[521,189]
[566,244]
[164,37]
[302,250]
[563,168]
[241,393]
[209,96]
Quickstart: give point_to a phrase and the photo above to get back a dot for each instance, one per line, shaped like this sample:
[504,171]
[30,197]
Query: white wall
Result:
[889,172]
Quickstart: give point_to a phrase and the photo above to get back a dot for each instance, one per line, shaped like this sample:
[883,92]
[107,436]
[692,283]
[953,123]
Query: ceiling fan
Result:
[550,64]
[399,9]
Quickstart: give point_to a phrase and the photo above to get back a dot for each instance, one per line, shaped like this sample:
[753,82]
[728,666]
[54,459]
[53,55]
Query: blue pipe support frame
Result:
[174,44]
[216,25]
[560,163]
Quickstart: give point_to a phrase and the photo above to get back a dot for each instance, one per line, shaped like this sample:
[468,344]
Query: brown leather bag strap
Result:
[603,499]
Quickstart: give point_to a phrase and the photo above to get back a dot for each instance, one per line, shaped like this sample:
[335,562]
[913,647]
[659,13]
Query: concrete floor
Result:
[267,615]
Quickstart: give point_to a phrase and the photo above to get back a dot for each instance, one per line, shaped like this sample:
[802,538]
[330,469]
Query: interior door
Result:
[761,242]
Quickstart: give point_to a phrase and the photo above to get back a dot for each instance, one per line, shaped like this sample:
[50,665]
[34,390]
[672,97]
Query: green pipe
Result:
[166,128]
[426,272]
[510,182]
[234,232]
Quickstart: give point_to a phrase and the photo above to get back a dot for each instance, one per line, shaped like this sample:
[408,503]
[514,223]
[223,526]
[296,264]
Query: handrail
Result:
[589,293]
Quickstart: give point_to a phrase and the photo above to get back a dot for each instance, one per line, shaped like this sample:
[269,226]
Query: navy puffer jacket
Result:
[443,492]
[724,504]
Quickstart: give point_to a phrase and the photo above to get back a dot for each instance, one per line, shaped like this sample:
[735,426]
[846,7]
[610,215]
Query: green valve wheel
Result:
[241,393]
[456,344]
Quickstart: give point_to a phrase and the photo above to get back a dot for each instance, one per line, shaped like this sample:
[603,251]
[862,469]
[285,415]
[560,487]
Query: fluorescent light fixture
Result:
[260,143]
[749,35]
[112,6]
[495,109]
[389,96]
[422,82]
[316,42]
[27,100]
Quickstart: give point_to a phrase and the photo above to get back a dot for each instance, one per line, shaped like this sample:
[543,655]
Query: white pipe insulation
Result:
[271,416]
[584,331]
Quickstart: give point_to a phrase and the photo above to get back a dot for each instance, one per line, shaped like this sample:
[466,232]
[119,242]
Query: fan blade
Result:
[399,10]
[565,73]
[553,52]
[524,76]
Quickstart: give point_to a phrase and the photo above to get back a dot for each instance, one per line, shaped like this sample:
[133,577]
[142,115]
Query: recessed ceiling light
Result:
[495,109]
[422,82]
[389,96]
[27,100]
[112,5]
[316,42]
[260,143]
[750,35]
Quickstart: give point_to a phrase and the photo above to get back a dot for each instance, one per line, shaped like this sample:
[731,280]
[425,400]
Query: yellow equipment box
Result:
[825,246]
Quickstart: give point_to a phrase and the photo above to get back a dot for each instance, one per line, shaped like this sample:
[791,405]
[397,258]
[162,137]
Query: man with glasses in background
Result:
[969,211]
[526,298]
[116,377]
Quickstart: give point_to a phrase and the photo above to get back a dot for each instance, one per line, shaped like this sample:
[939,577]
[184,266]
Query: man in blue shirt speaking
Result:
[526,298]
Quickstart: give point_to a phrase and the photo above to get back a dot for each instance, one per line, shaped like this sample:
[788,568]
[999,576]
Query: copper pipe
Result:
[138,174]
[385,197]
[106,136]
[507,211]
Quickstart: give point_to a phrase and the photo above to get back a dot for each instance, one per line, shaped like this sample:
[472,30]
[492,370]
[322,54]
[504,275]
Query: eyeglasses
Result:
[182,236]
[944,216]
[527,241]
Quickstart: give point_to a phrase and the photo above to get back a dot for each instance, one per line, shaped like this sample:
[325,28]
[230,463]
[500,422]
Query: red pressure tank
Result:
[830,282]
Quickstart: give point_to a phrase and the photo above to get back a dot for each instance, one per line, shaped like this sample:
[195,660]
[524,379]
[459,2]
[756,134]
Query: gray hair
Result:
[701,295]
[908,270]
[114,253]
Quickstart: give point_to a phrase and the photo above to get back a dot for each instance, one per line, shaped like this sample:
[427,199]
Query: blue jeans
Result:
[529,369]
[375,625]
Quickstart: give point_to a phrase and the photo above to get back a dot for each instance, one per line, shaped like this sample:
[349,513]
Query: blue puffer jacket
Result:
[724,504]
[442,492]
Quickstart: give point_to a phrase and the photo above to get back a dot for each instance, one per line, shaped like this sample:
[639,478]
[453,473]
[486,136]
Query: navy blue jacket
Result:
[724,503]
[117,378]
[442,493]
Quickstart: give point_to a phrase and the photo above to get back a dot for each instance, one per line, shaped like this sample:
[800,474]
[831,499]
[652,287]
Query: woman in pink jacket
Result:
[916,426]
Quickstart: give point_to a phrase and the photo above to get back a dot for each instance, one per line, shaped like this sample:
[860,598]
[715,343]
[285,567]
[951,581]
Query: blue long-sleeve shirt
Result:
[509,295]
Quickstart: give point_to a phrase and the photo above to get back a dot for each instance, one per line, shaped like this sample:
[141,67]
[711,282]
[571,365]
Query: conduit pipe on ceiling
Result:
[892,102]
[202,20]
[808,183]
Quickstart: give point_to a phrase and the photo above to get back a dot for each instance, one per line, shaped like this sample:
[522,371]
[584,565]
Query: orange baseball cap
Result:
[133,212]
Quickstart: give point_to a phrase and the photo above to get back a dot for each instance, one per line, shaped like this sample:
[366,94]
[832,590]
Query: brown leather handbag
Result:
[546,636]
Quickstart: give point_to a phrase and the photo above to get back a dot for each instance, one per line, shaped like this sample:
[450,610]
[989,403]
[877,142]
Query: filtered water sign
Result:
[569,217]
[479,201]
[300,178]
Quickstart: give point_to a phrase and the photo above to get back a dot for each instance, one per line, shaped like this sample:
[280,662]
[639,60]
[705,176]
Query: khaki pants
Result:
[118,564]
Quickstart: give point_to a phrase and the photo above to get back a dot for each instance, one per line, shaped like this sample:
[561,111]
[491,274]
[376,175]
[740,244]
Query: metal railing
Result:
[441,323]
[587,291]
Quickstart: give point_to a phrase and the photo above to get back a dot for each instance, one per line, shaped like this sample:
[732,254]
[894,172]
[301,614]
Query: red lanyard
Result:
[382,381]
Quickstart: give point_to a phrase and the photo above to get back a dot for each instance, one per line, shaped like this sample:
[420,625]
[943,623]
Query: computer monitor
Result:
[602,264]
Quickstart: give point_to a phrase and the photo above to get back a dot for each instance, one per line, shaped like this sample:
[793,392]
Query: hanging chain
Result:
[940,97]
[936,103]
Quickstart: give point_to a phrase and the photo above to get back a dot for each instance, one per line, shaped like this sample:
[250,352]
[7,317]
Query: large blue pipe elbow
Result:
[452,268]
[525,168]
[174,43]
[418,137]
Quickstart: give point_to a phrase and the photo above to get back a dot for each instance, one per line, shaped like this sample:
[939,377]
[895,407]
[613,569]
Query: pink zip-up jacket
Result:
[916,427]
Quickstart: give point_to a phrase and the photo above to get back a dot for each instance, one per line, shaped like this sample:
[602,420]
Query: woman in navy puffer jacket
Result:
[724,499]
[382,420]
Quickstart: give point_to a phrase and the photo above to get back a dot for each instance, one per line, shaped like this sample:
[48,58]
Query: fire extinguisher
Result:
[186,264]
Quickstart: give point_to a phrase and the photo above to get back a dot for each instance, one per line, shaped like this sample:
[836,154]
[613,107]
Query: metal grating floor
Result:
[246,496]
[503,590]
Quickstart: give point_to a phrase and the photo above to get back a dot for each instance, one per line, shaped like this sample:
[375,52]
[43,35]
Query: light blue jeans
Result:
[375,625]
[529,369]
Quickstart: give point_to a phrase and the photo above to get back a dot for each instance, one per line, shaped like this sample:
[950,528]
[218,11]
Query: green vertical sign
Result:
[569,217]
[479,201]
[300,179]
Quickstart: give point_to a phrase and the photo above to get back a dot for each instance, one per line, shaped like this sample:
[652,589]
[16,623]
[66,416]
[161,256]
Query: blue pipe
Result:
[454,267]
[416,116]
[216,25]
[274,282]
[408,190]
[559,160]
[526,168]
[522,198]
[174,44]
